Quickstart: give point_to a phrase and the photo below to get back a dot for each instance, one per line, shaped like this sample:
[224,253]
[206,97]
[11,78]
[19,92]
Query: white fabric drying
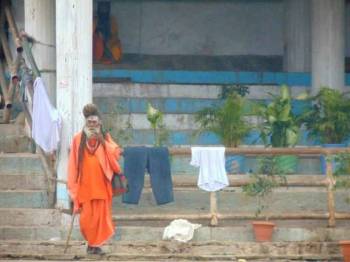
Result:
[46,119]
[180,230]
[211,163]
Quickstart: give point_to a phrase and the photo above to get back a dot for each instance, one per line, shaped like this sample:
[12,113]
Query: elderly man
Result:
[92,162]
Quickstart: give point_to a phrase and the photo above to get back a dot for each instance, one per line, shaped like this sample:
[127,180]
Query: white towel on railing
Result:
[46,124]
[211,163]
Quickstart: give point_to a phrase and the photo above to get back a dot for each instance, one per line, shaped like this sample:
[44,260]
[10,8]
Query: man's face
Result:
[93,122]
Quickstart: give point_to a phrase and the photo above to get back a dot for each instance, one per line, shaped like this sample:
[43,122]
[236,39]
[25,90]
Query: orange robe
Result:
[113,44]
[91,191]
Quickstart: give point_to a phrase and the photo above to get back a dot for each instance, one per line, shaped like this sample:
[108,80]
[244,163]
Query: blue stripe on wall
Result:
[145,137]
[168,105]
[209,77]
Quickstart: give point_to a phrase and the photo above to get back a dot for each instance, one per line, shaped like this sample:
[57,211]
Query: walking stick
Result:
[69,233]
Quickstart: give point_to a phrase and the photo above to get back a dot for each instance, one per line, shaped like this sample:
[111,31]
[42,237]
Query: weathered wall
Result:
[205,27]
[221,27]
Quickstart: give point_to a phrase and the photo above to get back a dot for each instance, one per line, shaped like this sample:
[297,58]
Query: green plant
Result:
[341,174]
[227,121]
[268,176]
[228,90]
[119,127]
[280,127]
[155,117]
[329,118]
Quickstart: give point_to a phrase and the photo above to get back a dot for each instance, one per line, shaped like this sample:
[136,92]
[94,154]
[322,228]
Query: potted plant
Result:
[342,181]
[228,120]
[261,185]
[280,126]
[328,120]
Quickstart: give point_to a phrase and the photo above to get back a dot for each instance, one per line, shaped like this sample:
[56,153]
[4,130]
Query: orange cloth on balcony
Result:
[91,191]
[100,44]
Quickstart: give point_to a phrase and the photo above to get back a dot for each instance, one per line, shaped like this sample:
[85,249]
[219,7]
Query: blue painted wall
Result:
[206,77]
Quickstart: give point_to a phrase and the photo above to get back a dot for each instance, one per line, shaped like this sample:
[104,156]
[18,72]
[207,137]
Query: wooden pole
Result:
[330,195]
[270,151]
[230,216]
[3,39]
[12,25]
[69,233]
[29,55]
[213,209]
[3,84]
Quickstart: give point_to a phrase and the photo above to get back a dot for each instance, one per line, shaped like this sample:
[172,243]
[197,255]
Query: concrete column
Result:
[328,44]
[297,36]
[74,75]
[40,24]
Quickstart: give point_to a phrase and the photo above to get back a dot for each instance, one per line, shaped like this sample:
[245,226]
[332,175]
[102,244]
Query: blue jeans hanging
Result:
[156,161]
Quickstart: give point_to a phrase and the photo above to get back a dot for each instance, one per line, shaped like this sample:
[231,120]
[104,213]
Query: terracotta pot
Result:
[263,230]
[345,248]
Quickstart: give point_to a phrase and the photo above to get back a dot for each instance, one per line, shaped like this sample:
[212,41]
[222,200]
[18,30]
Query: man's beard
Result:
[91,131]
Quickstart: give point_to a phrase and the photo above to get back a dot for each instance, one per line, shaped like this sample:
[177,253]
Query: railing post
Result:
[3,39]
[12,25]
[29,55]
[213,209]
[330,194]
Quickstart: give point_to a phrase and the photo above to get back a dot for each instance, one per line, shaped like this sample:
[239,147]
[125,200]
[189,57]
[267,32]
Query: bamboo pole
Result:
[230,216]
[187,181]
[3,84]
[213,209]
[330,194]
[12,25]
[29,54]
[3,39]
[270,151]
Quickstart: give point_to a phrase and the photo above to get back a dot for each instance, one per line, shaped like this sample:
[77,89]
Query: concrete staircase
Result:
[31,229]
[25,203]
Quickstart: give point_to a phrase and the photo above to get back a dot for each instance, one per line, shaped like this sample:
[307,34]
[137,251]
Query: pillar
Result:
[40,24]
[328,44]
[74,76]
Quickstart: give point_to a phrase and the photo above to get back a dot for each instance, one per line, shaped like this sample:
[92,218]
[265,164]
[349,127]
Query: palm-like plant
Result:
[329,118]
[226,121]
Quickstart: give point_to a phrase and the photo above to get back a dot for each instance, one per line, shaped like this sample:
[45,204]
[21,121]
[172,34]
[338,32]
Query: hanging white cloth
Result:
[46,124]
[211,163]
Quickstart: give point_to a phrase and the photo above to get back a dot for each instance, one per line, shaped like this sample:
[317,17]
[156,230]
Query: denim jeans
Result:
[155,160]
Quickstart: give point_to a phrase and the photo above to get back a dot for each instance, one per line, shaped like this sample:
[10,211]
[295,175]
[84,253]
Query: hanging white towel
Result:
[211,163]
[46,119]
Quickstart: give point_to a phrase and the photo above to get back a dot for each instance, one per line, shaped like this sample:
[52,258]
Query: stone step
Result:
[11,129]
[15,144]
[13,139]
[21,164]
[23,182]
[232,199]
[25,217]
[243,233]
[171,251]
[23,199]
